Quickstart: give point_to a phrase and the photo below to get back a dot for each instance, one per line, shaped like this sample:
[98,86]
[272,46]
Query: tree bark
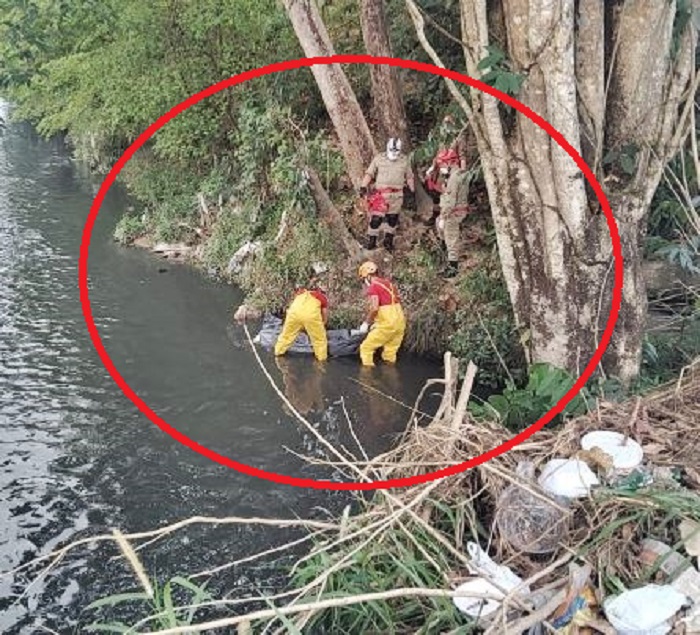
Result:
[332,217]
[348,121]
[555,248]
[388,107]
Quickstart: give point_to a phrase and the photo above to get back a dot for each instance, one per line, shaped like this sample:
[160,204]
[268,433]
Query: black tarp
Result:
[340,341]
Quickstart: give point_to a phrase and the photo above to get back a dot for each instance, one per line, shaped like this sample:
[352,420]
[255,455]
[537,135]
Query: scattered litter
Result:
[569,478]
[626,453]
[246,312]
[690,535]
[688,583]
[500,575]
[644,611]
[494,579]
[580,597]
[529,523]
[665,476]
[656,553]
[634,480]
[478,606]
[250,248]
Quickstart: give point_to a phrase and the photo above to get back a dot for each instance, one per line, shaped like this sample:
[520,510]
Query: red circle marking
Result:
[348,59]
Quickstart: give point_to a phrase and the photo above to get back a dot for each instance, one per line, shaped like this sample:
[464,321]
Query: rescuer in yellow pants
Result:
[385,317]
[307,312]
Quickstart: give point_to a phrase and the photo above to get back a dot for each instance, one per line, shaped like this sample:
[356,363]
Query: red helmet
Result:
[447,157]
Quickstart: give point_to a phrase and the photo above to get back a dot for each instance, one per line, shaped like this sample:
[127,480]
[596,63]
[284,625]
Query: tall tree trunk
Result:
[333,218]
[387,96]
[555,247]
[348,121]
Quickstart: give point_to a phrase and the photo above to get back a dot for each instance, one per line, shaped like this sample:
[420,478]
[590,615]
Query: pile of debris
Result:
[595,525]
[591,527]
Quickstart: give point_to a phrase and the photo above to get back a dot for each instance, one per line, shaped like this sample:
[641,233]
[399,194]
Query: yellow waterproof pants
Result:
[304,314]
[387,334]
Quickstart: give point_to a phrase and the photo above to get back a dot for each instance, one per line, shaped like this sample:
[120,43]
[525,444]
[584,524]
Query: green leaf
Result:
[489,61]
[168,606]
[628,164]
[500,403]
[119,598]
[189,585]
[112,627]
[496,53]
[610,157]
[503,82]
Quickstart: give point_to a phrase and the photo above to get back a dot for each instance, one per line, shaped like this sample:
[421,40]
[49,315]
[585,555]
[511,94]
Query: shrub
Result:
[518,408]
[128,229]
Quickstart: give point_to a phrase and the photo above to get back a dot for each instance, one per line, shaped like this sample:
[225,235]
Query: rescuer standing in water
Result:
[385,324]
[307,312]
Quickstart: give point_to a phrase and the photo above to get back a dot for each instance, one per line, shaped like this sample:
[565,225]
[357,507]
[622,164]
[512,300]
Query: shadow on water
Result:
[77,457]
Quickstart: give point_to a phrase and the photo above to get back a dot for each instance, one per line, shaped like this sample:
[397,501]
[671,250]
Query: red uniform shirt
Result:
[384,290]
[318,294]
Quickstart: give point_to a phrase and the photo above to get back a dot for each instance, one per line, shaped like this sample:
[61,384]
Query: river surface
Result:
[78,458]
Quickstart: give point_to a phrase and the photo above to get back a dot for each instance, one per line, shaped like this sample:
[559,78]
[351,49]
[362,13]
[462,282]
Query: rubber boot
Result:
[389,242]
[371,242]
[451,270]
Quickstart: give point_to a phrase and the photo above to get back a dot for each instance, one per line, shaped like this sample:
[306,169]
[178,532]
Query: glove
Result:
[364,327]
[363,191]
[441,223]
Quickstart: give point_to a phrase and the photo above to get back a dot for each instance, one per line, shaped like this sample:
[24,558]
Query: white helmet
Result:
[393,148]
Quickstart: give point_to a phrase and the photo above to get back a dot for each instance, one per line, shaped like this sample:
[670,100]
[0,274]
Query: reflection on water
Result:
[77,458]
[303,382]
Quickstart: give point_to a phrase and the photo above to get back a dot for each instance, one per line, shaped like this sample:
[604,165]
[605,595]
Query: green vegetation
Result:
[175,603]
[229,170]
[399,560]
[517,408]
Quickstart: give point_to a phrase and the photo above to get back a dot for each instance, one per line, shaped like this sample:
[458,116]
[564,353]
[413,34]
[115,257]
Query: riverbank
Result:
[469,314]
[404,559]
[421,546]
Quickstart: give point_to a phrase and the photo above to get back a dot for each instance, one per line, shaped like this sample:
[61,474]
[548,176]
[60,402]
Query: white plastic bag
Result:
[644,611]
[495,580]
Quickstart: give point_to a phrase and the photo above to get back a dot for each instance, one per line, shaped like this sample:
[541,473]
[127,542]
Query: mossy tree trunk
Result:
[612,78]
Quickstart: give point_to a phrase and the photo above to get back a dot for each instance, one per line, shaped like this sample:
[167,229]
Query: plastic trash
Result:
[476,606]
[644,611]
[250,248]
[633,481]
[529,523]
[494,579]
[688,583]
[341,342]
[570,478]
[690,535]
[658,554]
[482,564]
[576,612]
[626,453]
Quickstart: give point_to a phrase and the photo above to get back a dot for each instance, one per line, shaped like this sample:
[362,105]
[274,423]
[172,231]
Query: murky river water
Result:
[77,457]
